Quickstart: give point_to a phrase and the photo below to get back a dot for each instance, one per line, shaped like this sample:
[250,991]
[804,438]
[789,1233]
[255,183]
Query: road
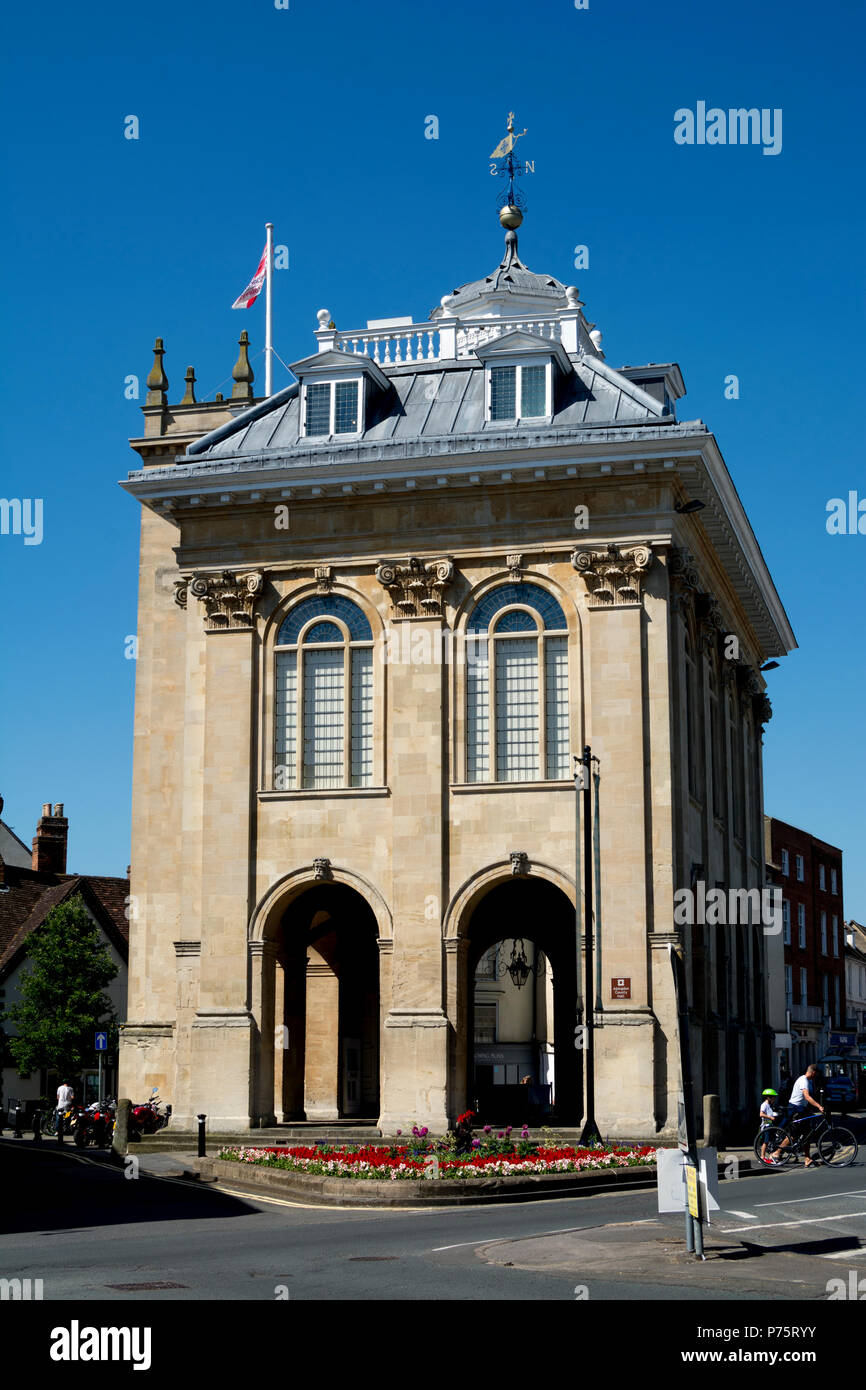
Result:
[89,1233]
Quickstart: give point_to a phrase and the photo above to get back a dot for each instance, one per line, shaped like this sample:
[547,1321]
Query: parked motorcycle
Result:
[95,1125]
[149,1117]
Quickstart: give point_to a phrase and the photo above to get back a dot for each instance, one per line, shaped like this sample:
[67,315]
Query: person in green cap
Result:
[768,1116]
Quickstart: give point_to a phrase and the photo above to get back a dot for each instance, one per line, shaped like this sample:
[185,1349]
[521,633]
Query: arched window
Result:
[324,696]
[517,726]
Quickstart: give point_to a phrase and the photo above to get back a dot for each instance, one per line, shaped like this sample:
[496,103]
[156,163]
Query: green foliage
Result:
[62,1000]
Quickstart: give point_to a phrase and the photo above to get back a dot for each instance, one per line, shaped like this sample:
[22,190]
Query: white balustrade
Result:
[421,343]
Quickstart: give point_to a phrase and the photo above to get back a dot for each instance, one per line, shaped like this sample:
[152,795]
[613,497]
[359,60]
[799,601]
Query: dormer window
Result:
[332,407]
[518,392]
[521,371]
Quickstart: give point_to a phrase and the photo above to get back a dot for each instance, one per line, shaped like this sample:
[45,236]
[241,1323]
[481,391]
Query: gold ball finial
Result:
[510,217]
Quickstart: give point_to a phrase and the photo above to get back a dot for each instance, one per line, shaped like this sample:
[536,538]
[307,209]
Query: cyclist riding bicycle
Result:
[799,1107]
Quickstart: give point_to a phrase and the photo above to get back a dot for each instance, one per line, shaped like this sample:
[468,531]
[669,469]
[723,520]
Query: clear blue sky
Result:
[721,258]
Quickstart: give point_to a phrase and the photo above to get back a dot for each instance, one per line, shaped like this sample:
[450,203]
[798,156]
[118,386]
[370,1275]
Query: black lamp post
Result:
[583,781]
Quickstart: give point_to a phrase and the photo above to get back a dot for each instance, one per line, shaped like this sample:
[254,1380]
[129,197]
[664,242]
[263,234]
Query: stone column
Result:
[322,1051]
[263,957]
[458,1005]
[222,1030]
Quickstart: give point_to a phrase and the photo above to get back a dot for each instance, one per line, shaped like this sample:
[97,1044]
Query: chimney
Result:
[49,842]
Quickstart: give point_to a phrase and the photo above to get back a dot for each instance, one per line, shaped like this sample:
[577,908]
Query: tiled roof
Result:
[28,897]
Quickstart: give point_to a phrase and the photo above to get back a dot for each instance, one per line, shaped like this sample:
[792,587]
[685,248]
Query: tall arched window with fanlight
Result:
[517,727]
[323,666]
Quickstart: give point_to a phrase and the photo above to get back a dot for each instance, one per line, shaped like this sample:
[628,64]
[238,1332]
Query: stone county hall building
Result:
[378,614]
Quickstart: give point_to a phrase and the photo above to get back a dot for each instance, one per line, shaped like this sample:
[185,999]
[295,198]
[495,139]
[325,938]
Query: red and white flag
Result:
[249,296]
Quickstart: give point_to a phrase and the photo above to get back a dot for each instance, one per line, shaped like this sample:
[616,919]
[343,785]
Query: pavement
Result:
[90,1234]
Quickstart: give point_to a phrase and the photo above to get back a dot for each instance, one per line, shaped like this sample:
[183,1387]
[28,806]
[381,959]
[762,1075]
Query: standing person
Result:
[65,1097]
[801,1100]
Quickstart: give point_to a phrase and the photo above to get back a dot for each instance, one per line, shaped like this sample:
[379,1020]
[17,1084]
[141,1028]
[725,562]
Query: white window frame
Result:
[518,363]
[801,925]
[804,985]
[834,881]
[834,930]
[789,985]
[801,870]
[823,933]
[332,383]
[786,922]
[786,863]
[822,877]
[348,646]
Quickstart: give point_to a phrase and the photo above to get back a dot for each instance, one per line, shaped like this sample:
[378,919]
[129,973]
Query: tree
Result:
[62,1001]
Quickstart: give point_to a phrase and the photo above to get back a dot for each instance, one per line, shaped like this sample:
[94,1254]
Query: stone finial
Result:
[613,576]
[242,372]
[417,589]
[218,396]
[189,393]
[157,381]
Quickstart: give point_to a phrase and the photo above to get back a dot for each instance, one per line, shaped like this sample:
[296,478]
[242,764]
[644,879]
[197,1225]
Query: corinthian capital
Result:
[229,598]
[417,589]
[613,576]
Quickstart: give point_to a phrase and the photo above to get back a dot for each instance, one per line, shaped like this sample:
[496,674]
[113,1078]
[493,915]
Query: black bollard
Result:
[37,1126]
[202,1150]
[18,1134]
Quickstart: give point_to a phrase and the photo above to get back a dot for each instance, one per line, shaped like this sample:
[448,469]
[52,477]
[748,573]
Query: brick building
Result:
[809,872]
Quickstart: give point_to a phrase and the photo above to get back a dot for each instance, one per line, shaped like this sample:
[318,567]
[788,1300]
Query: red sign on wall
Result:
[620,987]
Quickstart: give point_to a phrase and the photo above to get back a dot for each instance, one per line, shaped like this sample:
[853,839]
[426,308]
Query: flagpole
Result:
[269,265]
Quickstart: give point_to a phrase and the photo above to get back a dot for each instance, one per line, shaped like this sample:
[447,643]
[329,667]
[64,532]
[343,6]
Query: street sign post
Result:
[100,1046]
[694,1229]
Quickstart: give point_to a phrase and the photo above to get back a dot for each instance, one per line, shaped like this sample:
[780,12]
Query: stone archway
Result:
[541,913]
[314,962]
[329,1011]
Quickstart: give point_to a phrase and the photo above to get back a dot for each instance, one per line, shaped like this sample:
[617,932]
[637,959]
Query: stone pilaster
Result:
[222,1033]
[415,1034]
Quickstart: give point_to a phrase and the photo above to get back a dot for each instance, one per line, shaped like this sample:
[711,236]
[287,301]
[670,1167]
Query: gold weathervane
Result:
[506,145]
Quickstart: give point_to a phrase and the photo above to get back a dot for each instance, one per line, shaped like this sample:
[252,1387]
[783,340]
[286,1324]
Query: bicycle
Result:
[836,1145]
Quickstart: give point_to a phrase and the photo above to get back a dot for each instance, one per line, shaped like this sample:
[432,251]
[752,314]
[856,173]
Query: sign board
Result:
[692,1189]
[620,987]
[671,1179]
[842,1040]
[783,1039]
[100,1042]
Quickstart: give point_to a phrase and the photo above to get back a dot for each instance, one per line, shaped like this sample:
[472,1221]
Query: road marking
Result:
[536,1235]
[804,1221]
[283,1202]
[745,1215]
[856,1254]
[795,1201]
